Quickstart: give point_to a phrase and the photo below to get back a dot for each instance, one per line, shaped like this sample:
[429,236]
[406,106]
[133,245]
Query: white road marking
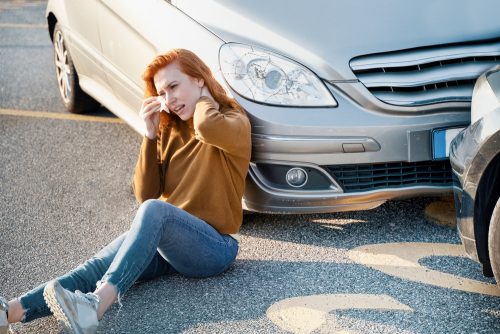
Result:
[308,313]
[402,260]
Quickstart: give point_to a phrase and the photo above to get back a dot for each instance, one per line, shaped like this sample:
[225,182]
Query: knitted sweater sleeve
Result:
[228,130]
[147,176]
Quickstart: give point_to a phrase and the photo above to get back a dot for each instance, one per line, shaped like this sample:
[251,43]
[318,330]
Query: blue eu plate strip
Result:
[439,144]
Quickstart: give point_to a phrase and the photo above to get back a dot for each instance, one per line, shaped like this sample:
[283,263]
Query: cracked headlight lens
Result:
[266,77]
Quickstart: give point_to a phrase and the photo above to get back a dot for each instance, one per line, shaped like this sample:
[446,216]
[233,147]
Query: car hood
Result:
[326,35]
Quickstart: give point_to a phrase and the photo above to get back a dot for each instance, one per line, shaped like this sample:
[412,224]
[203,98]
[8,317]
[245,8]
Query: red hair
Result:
[190,64]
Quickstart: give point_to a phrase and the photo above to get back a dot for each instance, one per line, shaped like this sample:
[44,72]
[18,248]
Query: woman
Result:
[189,178]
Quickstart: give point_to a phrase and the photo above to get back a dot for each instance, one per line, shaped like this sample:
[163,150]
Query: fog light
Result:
[296,177]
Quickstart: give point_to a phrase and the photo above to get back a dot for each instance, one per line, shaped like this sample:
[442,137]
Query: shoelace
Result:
[90,298]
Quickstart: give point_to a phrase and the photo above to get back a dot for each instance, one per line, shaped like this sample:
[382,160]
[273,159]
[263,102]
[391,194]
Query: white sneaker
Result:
[77,311]
[4,324]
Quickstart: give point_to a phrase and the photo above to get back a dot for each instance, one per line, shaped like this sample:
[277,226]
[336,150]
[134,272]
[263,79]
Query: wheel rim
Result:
[62,67]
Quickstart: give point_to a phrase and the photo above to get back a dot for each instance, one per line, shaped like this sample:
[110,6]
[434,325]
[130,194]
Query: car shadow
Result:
[101,112]
[394,221]
[237,301]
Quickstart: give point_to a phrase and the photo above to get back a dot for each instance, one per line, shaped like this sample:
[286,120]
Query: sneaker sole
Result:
[55,298]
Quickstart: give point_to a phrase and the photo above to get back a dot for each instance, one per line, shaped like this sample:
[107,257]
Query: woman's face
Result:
[181,91]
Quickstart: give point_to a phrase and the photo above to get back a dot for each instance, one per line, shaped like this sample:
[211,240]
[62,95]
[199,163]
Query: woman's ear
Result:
[200,82]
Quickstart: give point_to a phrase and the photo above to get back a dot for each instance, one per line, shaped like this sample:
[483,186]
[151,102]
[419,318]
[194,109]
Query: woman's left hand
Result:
[206,92]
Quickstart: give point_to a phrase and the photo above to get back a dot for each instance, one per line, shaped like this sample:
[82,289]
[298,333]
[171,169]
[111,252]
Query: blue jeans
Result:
[162,239]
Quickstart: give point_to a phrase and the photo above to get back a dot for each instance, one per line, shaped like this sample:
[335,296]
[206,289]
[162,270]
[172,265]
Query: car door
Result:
[132,33]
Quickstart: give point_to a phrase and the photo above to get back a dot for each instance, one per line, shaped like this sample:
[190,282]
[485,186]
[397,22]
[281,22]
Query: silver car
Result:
[351,103]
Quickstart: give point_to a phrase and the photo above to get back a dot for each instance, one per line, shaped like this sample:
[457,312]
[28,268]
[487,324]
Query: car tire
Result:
[494,242]
[74,98]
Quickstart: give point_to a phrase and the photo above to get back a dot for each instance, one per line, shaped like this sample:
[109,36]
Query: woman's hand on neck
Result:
[206,92]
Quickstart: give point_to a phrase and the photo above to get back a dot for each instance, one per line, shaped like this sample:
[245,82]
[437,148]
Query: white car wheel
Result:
[74,98]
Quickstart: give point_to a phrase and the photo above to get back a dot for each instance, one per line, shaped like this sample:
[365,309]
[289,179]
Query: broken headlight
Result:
[267,77]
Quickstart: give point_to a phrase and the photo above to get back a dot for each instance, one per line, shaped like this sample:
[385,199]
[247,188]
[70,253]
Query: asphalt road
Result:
[65,193]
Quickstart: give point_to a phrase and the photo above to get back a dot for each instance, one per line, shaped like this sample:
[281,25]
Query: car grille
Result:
[355,178]
[426,75]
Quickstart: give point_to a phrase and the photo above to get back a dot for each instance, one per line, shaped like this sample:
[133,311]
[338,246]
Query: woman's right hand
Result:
[150,114]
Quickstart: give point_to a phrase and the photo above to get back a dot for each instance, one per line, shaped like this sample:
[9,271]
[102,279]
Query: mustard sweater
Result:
[200,169]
